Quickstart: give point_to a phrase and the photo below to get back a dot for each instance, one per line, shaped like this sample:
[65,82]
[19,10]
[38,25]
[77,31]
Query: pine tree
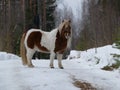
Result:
[50,20]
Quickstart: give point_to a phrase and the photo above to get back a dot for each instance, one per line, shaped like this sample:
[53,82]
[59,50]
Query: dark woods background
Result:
[100,23]
[101,26]
[17,16]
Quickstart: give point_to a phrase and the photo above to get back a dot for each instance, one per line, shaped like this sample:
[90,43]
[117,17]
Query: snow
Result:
[6,56]
[84,66]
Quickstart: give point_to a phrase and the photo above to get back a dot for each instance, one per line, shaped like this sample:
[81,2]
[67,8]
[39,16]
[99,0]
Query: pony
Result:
[54,42]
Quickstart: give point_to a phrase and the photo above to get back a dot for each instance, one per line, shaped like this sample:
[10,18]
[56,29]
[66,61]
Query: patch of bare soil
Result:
[83,85]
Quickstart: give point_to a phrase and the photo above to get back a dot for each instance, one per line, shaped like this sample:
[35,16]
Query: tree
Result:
[50,19]
[11,24]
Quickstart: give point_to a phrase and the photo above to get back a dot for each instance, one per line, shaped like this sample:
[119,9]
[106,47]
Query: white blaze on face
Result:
[67,33]
[67,36]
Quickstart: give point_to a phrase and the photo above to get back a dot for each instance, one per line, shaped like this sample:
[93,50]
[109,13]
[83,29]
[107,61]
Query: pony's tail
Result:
[23,50]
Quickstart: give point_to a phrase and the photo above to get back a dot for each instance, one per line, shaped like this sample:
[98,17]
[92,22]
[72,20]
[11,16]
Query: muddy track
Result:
[84,85]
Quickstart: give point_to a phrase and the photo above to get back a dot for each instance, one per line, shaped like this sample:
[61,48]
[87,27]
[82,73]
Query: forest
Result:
[99,24]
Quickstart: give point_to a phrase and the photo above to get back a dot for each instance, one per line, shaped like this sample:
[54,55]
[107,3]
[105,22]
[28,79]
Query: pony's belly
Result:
[40,50]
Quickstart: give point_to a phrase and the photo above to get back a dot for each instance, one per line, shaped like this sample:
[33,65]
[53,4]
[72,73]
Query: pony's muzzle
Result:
[67,36]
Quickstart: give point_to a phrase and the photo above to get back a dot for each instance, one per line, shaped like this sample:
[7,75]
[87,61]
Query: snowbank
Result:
[8,56]
[74,54]
[100,59]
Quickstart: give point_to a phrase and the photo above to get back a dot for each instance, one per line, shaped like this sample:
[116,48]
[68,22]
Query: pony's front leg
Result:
[59,57]
[52,56]
[30,53]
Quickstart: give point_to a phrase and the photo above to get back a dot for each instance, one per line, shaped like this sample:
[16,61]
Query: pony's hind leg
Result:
[59,57]
[52,56]
[29,55]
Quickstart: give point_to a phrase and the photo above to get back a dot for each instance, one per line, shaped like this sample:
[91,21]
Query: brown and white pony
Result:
[54,42]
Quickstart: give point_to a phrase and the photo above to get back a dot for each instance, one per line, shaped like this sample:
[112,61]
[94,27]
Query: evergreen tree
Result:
[47,14]
[50,20]
[31,14]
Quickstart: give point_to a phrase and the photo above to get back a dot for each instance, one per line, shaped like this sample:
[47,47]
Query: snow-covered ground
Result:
[80,65]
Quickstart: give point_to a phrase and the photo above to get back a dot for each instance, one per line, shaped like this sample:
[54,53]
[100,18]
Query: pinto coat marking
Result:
[54,42]
[60,44]
[40,41]
[33,40]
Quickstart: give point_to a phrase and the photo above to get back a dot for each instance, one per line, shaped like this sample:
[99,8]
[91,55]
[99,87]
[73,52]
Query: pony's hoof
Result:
[24,64]
[61,67]
[52,67]
[30,66]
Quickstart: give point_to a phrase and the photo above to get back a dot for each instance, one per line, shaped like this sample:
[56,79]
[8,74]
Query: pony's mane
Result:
[66,23]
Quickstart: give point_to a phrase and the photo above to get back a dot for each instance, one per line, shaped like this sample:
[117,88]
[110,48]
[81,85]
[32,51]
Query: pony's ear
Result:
[63,20]
[69,21]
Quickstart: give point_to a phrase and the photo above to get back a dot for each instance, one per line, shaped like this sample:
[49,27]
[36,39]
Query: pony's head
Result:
[65,29]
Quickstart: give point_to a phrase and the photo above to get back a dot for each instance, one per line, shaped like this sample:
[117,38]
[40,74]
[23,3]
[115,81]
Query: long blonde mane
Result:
[66,23]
